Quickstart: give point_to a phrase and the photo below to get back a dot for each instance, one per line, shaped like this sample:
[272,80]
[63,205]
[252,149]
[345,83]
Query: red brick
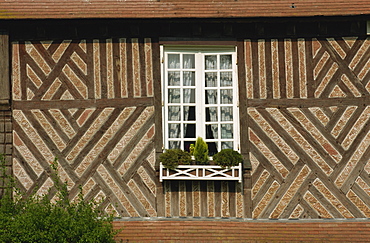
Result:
[214,231]
[23,9]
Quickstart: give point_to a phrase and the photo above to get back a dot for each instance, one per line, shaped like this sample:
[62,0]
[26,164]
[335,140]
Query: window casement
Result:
[200,97]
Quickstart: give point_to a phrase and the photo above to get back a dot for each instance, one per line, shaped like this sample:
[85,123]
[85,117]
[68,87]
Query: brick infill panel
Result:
[224,230]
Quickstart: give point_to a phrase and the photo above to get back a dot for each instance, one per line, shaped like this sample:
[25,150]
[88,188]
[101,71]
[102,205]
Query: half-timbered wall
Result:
[90,104]
[203,199]
[308,112]
[95,105]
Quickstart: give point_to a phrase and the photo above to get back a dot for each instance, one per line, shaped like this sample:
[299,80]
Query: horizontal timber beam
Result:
[69,104]
[309,102]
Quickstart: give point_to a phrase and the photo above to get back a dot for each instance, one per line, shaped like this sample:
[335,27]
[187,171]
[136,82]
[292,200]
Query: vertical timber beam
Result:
[5,111]
[4,69]
[160,201]
[244,149]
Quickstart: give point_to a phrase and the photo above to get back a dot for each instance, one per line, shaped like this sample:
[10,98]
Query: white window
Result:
[200,97]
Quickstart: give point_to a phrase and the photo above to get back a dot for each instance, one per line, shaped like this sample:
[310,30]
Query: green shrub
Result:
[171,158]
[227,158]
[37,219]
[201,152]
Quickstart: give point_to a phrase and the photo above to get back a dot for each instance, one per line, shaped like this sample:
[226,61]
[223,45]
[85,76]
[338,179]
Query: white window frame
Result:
[200,52]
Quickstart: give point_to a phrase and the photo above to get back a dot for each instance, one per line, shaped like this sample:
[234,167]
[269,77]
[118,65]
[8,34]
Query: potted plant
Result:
[227,158]
[177,164]
[171,158]
[201,152]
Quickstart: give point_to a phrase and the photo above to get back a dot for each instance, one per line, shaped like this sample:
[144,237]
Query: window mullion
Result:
[199,72]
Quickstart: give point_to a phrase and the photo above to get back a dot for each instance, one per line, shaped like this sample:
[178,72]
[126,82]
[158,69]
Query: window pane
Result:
[226,96]
[211,62]
[188,60]
[189,113]
[225,61]
[187,145]
[173,78]
[174,145]
[174,113]
[174,130]
[227,113]
[211,79]
[227,145]
[212,148]
[211,96]
[211,114]
[173,60]
[189,96]
[189,130]
[226,79]
[189,78]
[227,131]
[212,131]
[173,95]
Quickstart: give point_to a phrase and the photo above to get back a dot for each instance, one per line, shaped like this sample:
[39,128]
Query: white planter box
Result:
[201,172]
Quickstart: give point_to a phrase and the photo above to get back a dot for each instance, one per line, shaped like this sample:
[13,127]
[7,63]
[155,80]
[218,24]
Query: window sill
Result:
[201,172]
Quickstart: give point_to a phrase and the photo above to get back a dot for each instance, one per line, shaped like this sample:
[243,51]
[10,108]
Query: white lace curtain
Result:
[218,91]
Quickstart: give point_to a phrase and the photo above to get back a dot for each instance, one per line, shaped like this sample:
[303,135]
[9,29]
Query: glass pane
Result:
[226,96]
[227,145]
[174,113]
[174,130]
[173,78]
[212,131]
[211,96]
[174,144]
[173,60]
[189,130]
[173,95]
[188,60]
[226,79]
[211,79]
[227,131]
[189,113]
[189,96]
[212,148]
[211,62]
[211,114]
[225,61]
[227,113]
[189,78]
[187,145]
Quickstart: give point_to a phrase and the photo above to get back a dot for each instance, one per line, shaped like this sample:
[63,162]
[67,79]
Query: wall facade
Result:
[95,104]
[308,125]
[90,104]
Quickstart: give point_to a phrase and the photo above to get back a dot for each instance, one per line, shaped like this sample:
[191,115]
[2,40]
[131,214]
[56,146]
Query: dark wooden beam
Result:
[4,69]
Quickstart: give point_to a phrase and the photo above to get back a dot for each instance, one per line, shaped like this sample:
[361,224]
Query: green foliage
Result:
[171,158]
[37,219]
[191,149]
[227,158]
[201,152]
